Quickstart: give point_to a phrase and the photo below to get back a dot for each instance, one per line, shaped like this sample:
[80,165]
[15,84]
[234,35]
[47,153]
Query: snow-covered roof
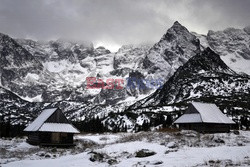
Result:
[187,118]
[208,113]
[58,127]
[38,122]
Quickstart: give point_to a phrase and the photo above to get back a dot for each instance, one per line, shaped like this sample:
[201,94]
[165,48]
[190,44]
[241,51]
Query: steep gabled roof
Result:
[188,118]
[40,124]
[206,113]
[58,127]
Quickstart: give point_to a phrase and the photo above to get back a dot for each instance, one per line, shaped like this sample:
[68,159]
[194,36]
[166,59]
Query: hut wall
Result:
[56,138]
[206,127]
[67,138]
[45,137]
[33,138]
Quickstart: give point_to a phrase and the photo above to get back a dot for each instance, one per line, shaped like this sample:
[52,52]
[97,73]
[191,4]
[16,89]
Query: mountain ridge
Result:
[207,64]
[64,68]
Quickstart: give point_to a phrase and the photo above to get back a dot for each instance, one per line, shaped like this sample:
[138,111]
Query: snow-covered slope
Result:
[178,149]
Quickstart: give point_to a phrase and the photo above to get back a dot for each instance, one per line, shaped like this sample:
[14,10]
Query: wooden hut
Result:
[51,128]
[205,118]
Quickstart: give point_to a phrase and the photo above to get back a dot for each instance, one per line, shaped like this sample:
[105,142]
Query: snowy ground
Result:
[185,148]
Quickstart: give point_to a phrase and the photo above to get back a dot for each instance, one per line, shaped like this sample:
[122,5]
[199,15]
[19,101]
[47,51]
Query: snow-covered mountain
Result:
[54,73]
[70,63]
[233,45]
[205,77]
[172,51]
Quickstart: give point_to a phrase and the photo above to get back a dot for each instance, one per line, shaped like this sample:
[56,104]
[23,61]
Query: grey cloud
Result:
[116,21]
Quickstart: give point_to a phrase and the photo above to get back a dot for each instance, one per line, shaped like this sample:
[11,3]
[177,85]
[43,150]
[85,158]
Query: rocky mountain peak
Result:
[177,23]
[176,30]
[178,26]
[208,60]
[171,52]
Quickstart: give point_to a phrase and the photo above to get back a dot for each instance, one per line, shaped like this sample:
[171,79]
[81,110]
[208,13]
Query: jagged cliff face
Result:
[233,45]
[70,63]
[17,66]
[172,51]
[58,49]
[41,72]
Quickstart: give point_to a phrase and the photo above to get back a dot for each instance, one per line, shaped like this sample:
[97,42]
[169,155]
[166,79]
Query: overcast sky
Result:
[113,23]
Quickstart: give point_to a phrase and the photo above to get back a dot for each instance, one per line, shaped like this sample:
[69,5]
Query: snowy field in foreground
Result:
[186,148]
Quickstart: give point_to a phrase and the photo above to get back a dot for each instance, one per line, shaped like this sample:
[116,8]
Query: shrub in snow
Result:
[47,156]
[112,161]
[172,145]
[172,150]
[156,163]
[214,162]
[218,140]
[240,143]
[83,144]
[53,150]
[236,132]
[41,154]
[226,162]
[144,153]
[100,157]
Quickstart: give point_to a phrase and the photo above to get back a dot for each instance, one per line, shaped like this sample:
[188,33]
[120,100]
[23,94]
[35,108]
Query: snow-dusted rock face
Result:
[172,51]
[19,70]
[122,66]
[233,45]
[65,65]
[68,63]
[128,56]
[205,77]
[58,49]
